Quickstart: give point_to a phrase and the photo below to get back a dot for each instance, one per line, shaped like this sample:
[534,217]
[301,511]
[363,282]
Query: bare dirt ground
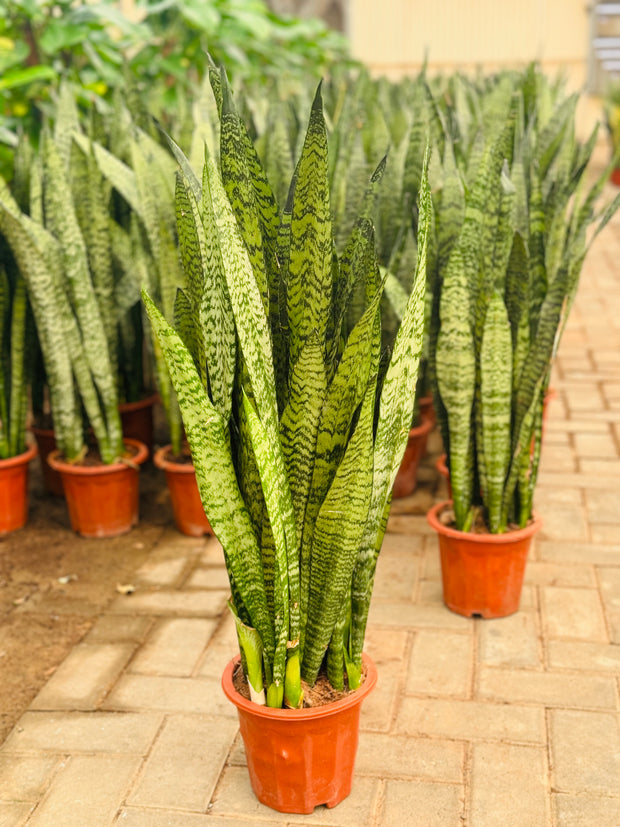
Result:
[54,584]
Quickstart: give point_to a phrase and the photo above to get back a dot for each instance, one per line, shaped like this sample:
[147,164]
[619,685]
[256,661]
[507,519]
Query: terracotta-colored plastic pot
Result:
[405,482]
[300,758]
[189,515]
[14,490]
[46,442]
[102,499]
[137,419]
[615,177]
[482,574]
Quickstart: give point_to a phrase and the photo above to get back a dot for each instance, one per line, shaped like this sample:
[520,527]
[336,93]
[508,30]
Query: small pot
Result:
[189,515]
[137,420]
[406,481]
[482,574]
[300,758]
[427,409]
[102,499]
[442,467]
[14,490]
[615,176]
[46,442]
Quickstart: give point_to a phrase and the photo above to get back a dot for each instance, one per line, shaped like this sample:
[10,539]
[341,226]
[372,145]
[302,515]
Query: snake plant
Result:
[505,293]
[68,292]
[296,427]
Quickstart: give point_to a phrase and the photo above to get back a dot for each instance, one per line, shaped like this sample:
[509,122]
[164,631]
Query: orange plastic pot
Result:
[46,442]
[14,490]
[482,574]
[300,758]
[427,409]
[615,176]
[189,515]
[102,499]
[406,479]
[137,420]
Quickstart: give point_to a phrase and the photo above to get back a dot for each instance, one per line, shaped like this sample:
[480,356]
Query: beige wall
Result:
[392,36]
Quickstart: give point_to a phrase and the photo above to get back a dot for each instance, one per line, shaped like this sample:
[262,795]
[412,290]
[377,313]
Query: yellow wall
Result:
[392,36]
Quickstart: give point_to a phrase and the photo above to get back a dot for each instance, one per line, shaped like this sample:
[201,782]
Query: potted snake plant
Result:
[15,453]
[505,294]
[296,433]
[69,295]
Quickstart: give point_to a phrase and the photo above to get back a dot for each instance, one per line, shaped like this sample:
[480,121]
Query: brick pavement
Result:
[483,723]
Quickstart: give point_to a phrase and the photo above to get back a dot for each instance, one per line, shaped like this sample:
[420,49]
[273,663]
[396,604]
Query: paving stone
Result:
[148,817]
[509,641]
[397,575]
[213,577]
[549,478]
[546,688]
[589,657]
[610,590]
[88,791]
[222,647]
[119,629]
[509,786]
[557,459]
[584,398]
[416,617]
[420,804]
[413,525]
[212,553]
[587,553]
[25,777]
[387,649]
[574,425]
[185,603]
[605,534]
[83,732]
[603,506]
[586,752]
[595,446]
[582,811]
[604,467]
[470,720]
[162,572]
[573,613]
[174,647]
[565,522]
[234,797]
[396,756]
[137,692]
[441,664]
[555,574]
[184,765]
[430,593]
[14,813]
[84,677]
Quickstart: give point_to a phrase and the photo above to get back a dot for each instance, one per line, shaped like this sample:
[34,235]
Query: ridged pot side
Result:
[189,515]
[482,574]
[299,759]
[14,490]
[102,499]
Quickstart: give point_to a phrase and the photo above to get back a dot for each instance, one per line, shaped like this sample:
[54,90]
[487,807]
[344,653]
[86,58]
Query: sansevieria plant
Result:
[506,289]
[296,429]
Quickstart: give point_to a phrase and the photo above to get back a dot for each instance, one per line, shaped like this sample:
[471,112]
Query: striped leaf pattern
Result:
[310,252]
[496,394]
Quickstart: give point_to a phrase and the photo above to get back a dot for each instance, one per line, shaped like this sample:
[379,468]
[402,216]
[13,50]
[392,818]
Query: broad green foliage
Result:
[295,480]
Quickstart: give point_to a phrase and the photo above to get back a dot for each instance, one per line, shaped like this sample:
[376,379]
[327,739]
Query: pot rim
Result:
[425,426]
[64,467]
[298,715]
[160,461]
[139,404]
[481,539]
[20,459]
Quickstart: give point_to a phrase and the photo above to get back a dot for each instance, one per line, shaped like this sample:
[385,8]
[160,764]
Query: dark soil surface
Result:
[54,584]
